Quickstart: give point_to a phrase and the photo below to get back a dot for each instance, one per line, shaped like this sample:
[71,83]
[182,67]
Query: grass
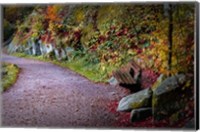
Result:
[9,75]
[90,71]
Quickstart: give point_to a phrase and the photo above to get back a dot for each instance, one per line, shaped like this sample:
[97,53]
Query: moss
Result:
[158,82]
[11,74]
[140,104]
[154,101]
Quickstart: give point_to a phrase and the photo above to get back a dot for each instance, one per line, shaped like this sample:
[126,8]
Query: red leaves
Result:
[139,51]
[122,118]
[101,39]
[142,41]
[131,35]
[77,34]
[122,32]
[125,31]
[148,78]
[66,34]
[112,106]
[147,123]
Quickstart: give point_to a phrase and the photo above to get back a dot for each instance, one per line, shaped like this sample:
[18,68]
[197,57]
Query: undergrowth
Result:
[9,75]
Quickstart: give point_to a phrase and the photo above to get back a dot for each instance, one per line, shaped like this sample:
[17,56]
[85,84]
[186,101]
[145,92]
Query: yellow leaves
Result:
[103,68]
[59,25]
[130,52]
[165,71]
[79,14]
[174,61]
[35,34]
[51,26]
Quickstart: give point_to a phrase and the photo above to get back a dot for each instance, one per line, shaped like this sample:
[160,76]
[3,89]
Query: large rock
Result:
[37,48]
[33,47]
[140,114]
[49,48]
[43,48]
[159,80]
[28,51]
[136,100]
[167,97]
[12,47]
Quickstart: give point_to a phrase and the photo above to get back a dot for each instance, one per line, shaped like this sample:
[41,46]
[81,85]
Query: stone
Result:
[63,54]
[33,48]
[113,81]
[56,52]
[49,48]
[136,100]
[20,49]
[28,51]
[37,49]
[42,48]
[159,80]
[140,114]
[167,96]
[11,47]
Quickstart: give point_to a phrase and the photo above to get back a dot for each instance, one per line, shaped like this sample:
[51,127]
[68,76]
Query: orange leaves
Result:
[52,13]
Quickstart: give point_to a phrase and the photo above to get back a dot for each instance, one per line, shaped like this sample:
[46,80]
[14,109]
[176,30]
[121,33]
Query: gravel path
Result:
[46,95]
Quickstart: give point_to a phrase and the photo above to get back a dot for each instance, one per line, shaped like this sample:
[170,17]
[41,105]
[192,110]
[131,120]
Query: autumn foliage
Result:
[109,36]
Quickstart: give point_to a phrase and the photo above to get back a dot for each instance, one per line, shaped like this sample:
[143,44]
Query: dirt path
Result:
[50,96]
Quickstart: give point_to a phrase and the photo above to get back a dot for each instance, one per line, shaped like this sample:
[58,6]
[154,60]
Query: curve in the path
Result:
[46,95]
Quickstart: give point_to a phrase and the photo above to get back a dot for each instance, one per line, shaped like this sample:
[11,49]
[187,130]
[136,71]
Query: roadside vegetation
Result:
[9,74]
[91,72]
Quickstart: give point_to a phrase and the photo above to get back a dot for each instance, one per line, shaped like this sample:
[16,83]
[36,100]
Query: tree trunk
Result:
[170,40]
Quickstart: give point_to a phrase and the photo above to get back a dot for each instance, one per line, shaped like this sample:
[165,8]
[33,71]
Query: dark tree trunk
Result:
[170,36]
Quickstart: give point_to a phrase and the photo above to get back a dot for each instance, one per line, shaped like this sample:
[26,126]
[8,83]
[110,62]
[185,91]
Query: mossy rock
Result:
[135,101]
[140,114]
[159,80]
[167,97]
